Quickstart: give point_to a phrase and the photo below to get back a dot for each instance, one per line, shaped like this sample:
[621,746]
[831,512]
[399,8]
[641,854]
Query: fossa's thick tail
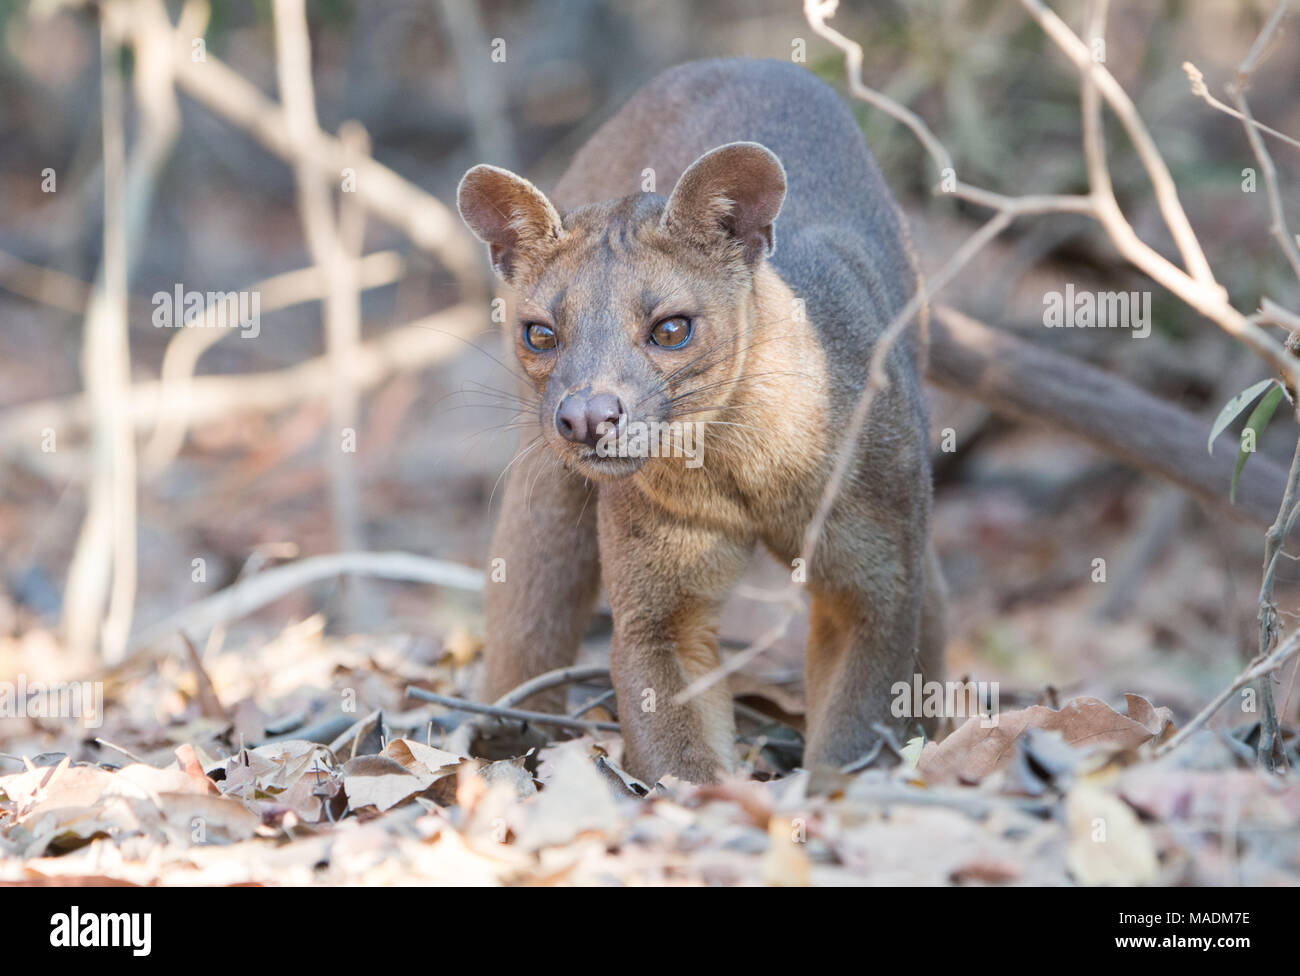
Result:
[1020,380]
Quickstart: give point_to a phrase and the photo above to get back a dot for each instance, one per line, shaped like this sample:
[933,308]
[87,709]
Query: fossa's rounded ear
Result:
[507,213]
[734,191]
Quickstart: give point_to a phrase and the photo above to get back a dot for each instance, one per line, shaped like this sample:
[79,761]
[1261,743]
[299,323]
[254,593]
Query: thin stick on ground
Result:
[551,679]
[116,748]
[517,714]
[592,702]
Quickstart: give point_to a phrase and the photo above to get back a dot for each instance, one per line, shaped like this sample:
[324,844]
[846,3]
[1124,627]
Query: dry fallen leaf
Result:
[422,813]
[425,763]
[576,798]
[205,819]
[1108,844]
[193,768]
[63,785]
[974,751]
[1157,721]
[986,870]
[379,782]
[153,781]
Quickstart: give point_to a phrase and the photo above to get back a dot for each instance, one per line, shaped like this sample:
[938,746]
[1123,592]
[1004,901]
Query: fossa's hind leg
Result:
[875,617]
[934,630]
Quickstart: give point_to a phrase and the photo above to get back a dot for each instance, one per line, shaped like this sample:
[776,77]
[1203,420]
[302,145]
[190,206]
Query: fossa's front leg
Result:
[540,595]
[666,582]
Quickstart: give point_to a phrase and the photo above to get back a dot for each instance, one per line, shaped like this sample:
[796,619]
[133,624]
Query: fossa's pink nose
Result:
[579,417]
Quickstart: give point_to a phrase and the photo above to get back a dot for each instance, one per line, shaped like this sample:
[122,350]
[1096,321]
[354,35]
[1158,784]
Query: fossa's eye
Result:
[671,333]
[538,337]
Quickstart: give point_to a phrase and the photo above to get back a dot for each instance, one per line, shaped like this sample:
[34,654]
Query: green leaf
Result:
[1257,421]
[1233,407]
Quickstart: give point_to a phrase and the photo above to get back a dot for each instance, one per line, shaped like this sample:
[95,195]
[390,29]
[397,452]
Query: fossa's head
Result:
[633,312]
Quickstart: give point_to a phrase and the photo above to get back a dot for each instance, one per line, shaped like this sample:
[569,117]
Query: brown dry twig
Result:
[519,715]
[551,679]
[1202,91]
